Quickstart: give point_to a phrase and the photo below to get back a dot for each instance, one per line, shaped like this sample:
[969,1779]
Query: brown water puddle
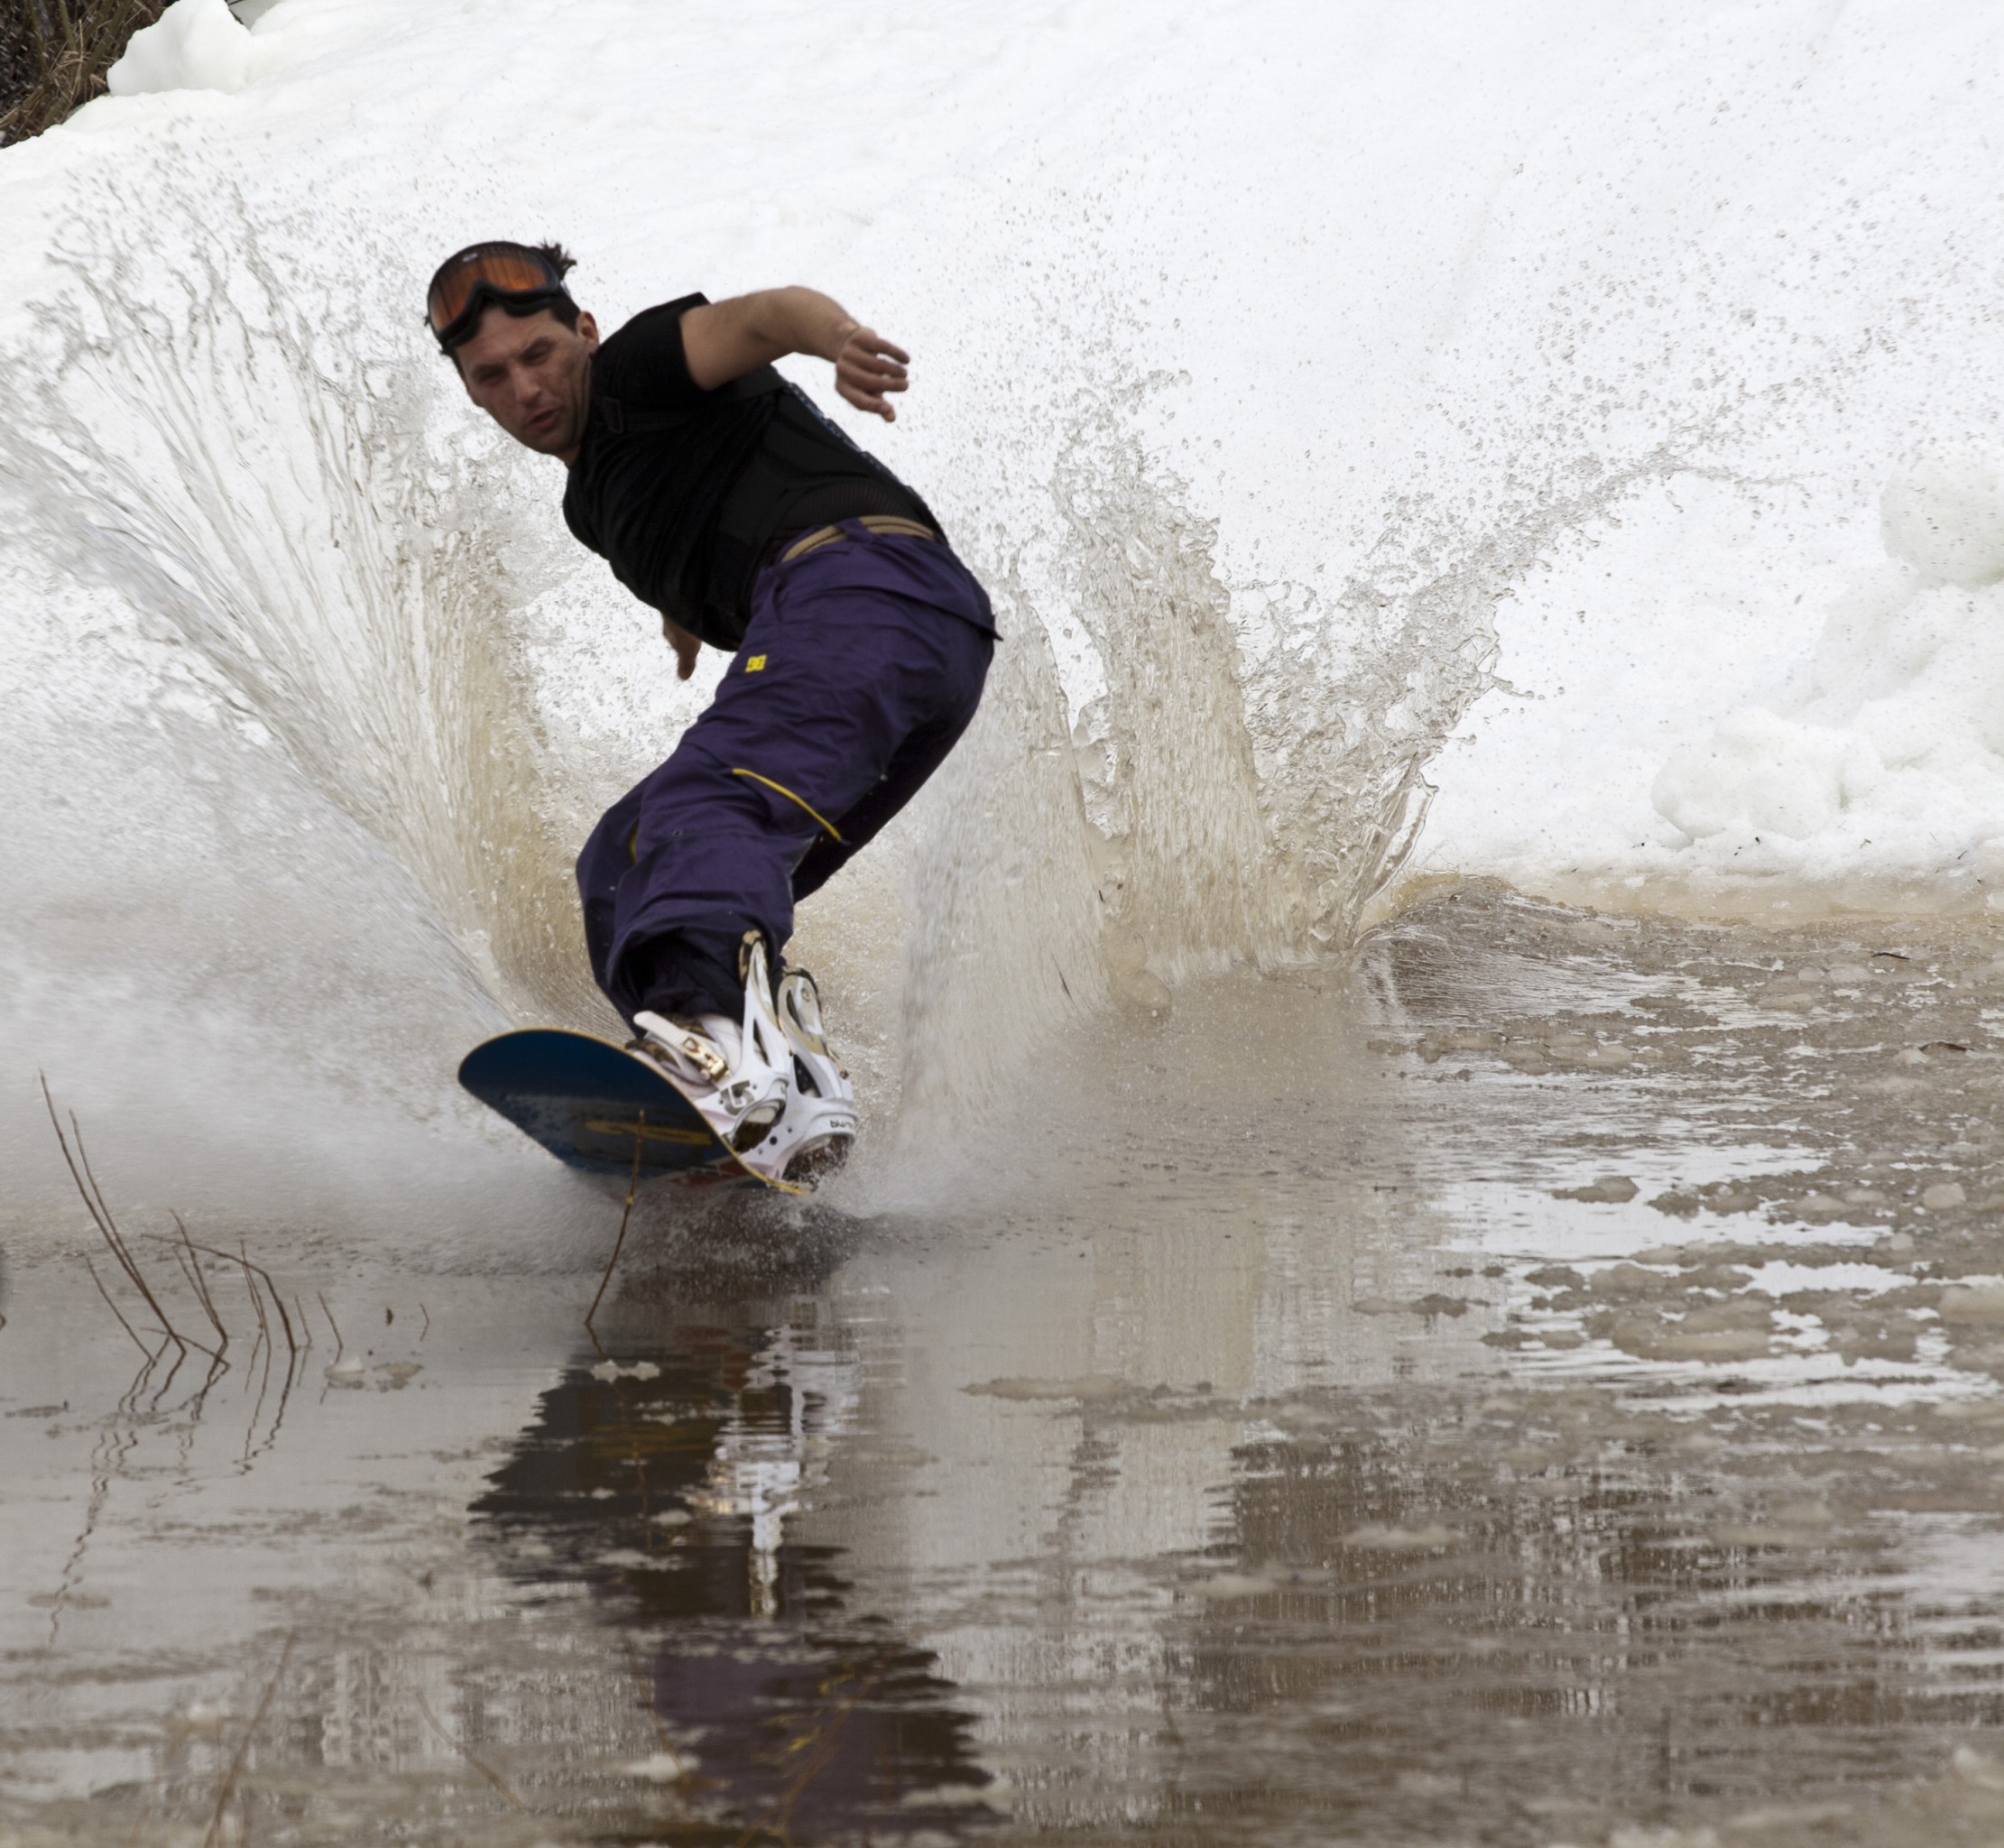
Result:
[1538,1388]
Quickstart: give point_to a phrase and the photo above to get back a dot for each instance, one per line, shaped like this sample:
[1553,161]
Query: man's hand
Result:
[686,646]
[867,367]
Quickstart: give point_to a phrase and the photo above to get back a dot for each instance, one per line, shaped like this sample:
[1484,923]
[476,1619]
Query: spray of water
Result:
[322,577]
[223,440]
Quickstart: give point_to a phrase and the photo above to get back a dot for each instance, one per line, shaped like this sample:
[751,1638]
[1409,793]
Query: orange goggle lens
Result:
[504,272]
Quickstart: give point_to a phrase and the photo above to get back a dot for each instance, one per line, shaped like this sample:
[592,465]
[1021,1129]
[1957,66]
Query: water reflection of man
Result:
[859,644]
[664,1484]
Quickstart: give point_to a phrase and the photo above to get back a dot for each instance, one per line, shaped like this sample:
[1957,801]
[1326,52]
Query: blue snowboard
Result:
[591,1103]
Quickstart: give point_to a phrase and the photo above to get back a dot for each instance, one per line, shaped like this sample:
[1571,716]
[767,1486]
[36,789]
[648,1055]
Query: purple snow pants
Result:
[862,666]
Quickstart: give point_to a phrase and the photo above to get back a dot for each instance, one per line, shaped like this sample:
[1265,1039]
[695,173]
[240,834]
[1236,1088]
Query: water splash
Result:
[322,582]
[243,454]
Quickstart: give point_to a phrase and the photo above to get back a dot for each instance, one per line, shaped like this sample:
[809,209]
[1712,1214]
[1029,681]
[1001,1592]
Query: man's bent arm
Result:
[724,340]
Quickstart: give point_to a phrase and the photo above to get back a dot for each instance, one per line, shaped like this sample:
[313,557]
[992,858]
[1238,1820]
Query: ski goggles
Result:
[466,283]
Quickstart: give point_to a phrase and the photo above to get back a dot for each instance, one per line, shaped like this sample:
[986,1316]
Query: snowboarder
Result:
[723,498]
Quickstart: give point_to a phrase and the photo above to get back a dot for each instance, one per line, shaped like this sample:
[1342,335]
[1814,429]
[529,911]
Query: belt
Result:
[832,535]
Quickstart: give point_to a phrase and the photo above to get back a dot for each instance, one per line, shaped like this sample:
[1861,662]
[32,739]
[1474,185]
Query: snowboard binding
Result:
[767,1084]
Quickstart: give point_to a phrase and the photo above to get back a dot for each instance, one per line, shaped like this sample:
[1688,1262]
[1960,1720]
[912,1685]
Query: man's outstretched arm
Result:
[724,340]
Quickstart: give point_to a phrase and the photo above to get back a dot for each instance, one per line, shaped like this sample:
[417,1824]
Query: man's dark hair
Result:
[563,262]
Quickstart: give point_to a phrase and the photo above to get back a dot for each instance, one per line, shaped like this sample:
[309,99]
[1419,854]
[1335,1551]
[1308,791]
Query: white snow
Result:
[1888,751]
[1866,760]
[194,45]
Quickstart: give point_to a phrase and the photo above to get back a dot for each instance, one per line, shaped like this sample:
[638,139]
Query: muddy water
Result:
[1538,1387]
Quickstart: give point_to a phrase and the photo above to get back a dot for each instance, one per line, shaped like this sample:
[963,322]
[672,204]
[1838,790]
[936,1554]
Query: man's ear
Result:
[588,330]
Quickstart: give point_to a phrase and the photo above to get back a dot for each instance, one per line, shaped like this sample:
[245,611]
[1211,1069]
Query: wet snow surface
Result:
[1539,1387]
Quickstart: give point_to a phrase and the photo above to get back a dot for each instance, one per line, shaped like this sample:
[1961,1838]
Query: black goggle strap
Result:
[483,294]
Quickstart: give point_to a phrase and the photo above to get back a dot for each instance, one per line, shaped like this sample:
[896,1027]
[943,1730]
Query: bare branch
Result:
[466,1751]
[243,1745]
[115,1310]
[201,1283]
[339,1347]
[619,1243]
[100,1213]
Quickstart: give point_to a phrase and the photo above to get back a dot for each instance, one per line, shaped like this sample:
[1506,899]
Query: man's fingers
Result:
[862,366]
[687,649]
[875,380]
[866,339]
[866,386]
[866,401]
[867,367]
[871,341]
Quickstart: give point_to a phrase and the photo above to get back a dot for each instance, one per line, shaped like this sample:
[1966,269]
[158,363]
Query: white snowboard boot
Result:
[819,1124]
[738,1073]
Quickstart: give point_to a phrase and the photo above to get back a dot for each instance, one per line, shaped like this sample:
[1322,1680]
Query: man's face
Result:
[532,376]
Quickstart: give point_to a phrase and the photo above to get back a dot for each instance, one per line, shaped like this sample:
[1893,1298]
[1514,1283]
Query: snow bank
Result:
[1862,764]
[1887,756]
[194,45]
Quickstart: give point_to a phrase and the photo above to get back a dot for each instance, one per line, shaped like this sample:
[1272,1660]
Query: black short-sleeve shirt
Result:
[686,494]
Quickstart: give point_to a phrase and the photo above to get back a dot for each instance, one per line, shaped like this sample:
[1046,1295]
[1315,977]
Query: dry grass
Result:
[54,54]
[165,1338]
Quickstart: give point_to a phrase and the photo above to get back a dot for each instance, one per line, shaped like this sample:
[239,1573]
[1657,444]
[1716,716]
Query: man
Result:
[859,644]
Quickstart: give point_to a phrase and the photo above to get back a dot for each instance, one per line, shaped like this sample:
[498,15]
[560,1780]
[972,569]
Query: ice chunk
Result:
[1232,1585]
[660,1768]
[1429,1784]
[1767,774]
[1973,1302]
[211,1719]
[1944,513]
[1610,1189]
[1086,1386]
[1978,1768]
[194,45]
[610,1371]
[1886,748]
[1376,1536]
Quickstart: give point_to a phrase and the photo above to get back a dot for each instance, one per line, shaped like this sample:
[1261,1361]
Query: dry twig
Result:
[115,1310]
[99,1210]
[466,1751]
[339,1346]
[191,1267]
[819,1751]
[244,1746]
[619,1243]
